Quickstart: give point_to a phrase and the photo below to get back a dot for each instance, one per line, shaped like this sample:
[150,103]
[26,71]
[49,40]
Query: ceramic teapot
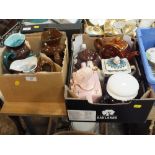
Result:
[56,53]
[86,55]
[51,45]
[85,84]
[52,36]
[114,47]
[16,48]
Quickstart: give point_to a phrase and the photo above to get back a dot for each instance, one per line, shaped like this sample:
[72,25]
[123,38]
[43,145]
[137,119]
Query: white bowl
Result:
[122,86]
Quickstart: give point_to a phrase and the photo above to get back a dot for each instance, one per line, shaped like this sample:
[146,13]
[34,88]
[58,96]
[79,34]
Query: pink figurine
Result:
[85,84]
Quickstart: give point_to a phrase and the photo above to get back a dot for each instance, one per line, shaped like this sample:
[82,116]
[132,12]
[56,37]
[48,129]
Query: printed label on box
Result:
[81,115]
[30,78]
[26,28]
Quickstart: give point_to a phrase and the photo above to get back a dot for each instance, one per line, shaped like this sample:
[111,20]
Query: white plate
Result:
[150,54]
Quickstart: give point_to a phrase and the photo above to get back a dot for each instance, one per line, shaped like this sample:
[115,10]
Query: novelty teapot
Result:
[85,84]
[113,48]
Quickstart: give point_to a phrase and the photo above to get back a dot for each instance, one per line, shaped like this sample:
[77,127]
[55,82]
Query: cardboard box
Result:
[136,110]
[38,87]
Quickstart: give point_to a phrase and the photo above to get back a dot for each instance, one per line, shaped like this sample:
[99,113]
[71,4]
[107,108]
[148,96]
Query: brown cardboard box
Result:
[38,87]
[78,109]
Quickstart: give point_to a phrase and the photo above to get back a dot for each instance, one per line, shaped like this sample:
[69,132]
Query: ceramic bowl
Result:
[122,86]
[15,40]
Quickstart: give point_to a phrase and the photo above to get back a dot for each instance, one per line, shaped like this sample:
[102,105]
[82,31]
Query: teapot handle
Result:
[98,44]
[130,55]
[133,69]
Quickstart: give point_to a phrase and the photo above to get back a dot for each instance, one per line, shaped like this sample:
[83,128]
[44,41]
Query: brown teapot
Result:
[113,48]
[51,45]
[56,53]
[87,55]
[52,36]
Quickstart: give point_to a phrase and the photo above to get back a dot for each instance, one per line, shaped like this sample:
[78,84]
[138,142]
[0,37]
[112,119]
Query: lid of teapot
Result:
[122,86]
[15,40]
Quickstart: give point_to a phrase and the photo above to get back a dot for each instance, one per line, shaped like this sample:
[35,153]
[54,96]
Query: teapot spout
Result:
[131,55]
